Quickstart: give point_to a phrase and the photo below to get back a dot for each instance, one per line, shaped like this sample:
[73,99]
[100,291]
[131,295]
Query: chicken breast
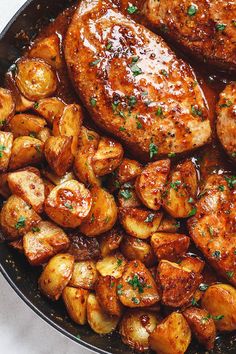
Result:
[206,28]
[132,84]
[213,228]
[226,119]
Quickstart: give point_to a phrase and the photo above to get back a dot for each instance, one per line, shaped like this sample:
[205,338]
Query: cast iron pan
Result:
[14,267]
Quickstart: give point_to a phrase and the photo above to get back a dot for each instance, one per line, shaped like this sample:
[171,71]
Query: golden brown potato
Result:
[44,134]
[84,275]
[4,188]
[48,187]
[107,295]
[29,186]
[169,246]
[56,275]
[150,183]
[75,301]
[110,241]
[50,108]
[56,180]
[83,248]
[25,151]
[98,320]
[127,196]
[17,218]
[171,336]
[6,142]
[139,223]
[58,154]
[68,204]
[194,264]
[26,124]
[135,328]
[35,79]
[113,265]
[47,49]
[137,287]
[201,325]
[69,124]
[133,248]
[43,242]
[181,190]
[7,106]
[169,224]
[107,157]
[128,170]
[178,284]
[220,301]
[103,213]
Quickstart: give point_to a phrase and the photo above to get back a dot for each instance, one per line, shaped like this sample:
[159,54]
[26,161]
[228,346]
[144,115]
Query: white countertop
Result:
[22,331]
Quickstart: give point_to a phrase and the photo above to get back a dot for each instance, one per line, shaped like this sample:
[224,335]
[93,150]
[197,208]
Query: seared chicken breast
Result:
[132,84]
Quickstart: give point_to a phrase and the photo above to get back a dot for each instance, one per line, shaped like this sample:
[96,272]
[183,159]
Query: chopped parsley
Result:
[135,300]
[190,201]
[175,185]
[119,289]
[132,101]
[135,59]
[216,254]
[20,223]
[218,317]
[228,103]
[68,206]
[159,112]
[139,125]
[172,154]
[221,188]
[36,105]
[109,46]
[211,230]
[192,212]
[132,9]
[231,181]
[92,219]
[150,217]
[203,287]
[93,101]
[108,218]
[112,284]
[38,149]
[220,27]
[164,73]
[230,274]
[35,229]
[95,62]
[122,129]
[192,10]
[119,262]
[196,111]
[136,70]
[136,284]
[153,150]
[2,148]
[126,194]
[2,122]
[194,302]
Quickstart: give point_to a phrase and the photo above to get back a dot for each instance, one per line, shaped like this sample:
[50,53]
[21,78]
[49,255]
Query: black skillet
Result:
[23,278]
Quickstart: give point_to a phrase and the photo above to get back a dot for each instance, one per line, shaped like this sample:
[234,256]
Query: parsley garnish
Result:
[95,62]
[109,46]
[122,129]
[164,73]
[220,27]
[230,274]
[35,229]
[175,185]
[192,10]
[139,125]
[190,201]
[68,206]
[119,262]
[216,254]
[150,217]
[92,218]
[218,317]
[159,112]
[135,283]
[36,105]
[136,70]
[172,154]
[2,148]
[228,103]
[231,181]
[20,223]
[135,300]
[221,188]
[194,302]
[203,287]
[196,111]
[132,9]
[119,289]
[192,212]
[93,101]
[132,101]
[153,150]
[126,194]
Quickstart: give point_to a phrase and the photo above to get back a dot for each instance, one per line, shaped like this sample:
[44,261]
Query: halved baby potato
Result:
[136,327]
[137,287]
[26,124]
[35,79]
[58,154]
[113,265]
[128,170]
[55,179]
[44,134]
[75,301]
[6,142]
[25,151]
[127,196]
[103,214]
[7,106]
[50,108]
[195,264]
[84,275]
[133,248]
[56,275]
[169,224]
[171,336]
[43,242]
[110,241]
[29,186]
[17,218]
[139,223]
[150,183]
[68,204]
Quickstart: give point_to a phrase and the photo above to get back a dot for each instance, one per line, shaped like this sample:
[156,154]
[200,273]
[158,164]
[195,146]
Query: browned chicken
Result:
[213,228]
[132,84]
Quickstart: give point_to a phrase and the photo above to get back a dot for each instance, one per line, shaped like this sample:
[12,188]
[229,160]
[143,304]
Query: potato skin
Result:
[127,196]
[56,275]
[133,248]
[201,325]
[113,265]
[220,300]
[135,328]
[68,204]
[84,275]
[6,142]
[17,218]
[195,264]
[110,241]
[83,248]
[26,124]
[75,301]
[43,242]
[168,224]
[50,108]
[7,106]
[172,335]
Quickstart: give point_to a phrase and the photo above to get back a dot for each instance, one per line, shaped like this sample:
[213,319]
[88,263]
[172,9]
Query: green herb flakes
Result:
[93,101]
[192,10]
[2,148]
[132,9]
[150,217]
[136,70]
[220,27]
[126,194]
[216,254]
[153,150]
[20,223]
[95,62]
[192,212]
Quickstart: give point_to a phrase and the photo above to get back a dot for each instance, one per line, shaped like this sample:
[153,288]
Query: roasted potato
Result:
[195,264]
[26,124]
[35,79]
[83,248]
[168,224]
[171,336]
[25,151]
[106,293]
[107,157]
[103,214]
[220,301]
[6,142]
[98,320]
[135,328]
[75,301]
[169,246]
[133,248]
[68,204]
[48,187]
[43,242]
[127,196]
[150,183]
[17,218]
[22,104]
[128,170]
[113,265]
[29,186]
[47,49]
[50,108]
[7,106]
[84,275]
[69,124]
[4,188]
[56,275]
[139,223]
[201,325]
[181,190]
[58,154]
[110,241]
[137,287]
[178,284]
[55,179]
[44,134]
